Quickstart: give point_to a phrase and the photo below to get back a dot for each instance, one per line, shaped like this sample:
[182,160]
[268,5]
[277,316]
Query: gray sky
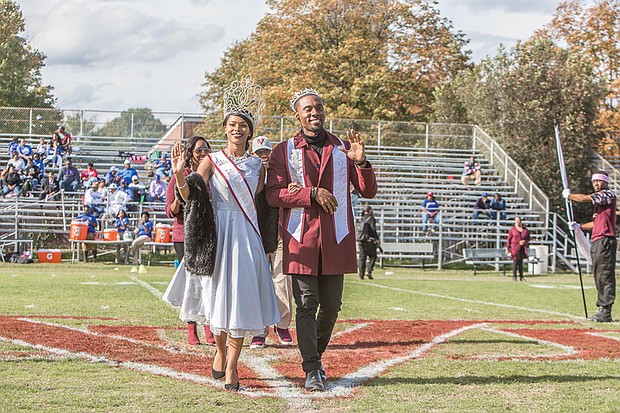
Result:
[117,54]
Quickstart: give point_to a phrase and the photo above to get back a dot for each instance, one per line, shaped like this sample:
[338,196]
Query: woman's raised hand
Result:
[178,158]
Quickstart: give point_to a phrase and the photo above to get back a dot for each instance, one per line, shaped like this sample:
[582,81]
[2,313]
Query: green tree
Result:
[517,97]
[134,122]
[20,64]
[378,59]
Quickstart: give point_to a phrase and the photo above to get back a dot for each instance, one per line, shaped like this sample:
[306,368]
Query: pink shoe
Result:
[284,336]
[192,334]
[257,342]
[210,339]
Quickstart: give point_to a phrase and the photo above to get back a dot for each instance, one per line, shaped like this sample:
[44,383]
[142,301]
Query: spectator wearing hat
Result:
[262,147]
[49,187]
[94,198]
[89,172]
[88,217]
[157,190]
[471,172]
[69,177]
[124,186]
[430,211]
[498,205]
[117,200]
[111,175]
[138,188]
[162,166]
[127,172]
[482,207]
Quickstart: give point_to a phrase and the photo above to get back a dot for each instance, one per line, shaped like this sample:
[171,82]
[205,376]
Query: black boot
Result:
[313,381]
[361,276]
[369,275]
[603,315]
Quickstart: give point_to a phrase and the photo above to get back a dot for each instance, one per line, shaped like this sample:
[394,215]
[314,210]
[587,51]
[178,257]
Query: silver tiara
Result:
[246,98]
[300,95]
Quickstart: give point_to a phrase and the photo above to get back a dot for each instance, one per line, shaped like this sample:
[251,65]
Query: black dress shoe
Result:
[233,386]
[217,374]
[313,381]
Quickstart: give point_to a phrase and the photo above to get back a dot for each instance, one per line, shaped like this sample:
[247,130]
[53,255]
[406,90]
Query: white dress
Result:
[239,298]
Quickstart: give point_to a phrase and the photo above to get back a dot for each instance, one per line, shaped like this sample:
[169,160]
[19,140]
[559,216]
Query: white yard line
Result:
[566,350]
[465,300]
[149,287]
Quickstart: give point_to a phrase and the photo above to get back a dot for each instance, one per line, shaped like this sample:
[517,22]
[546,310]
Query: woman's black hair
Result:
[188,148]
[247,116]
[146,213]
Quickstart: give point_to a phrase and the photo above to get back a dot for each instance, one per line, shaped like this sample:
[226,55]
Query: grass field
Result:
[96,338]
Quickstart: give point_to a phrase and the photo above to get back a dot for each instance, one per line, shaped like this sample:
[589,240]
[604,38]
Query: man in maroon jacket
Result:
[309,178]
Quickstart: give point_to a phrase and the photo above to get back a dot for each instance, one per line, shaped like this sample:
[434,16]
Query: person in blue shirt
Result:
[38,162]
[144,234]
[13,146]
[430,210]
[122,225]
[24,150]
[498,204]
[127,172]
[482,207]
[162,166]
[125,188]
[88,217]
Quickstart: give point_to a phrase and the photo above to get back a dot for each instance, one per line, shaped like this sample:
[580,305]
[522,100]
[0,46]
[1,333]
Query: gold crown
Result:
[301,94]
[246,98]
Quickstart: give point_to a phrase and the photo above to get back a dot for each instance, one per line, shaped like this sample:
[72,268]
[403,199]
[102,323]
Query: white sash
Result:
[238,186]
[340,191]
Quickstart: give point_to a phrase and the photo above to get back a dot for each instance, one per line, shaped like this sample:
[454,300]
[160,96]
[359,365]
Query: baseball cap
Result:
[261,142]
[134,178]
[429,194]
[156,177]
[113,168]
[93,181]
[165,155]
[113,186]
[485,194]
[127,162]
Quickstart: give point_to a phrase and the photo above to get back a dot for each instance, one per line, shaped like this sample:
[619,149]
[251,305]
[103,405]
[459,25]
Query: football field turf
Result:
[97,338]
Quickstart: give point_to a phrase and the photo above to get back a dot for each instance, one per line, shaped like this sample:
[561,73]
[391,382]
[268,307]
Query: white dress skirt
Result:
[239,299]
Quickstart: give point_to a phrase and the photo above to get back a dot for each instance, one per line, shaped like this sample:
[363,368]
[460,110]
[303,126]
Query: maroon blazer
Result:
[177,224]
[318,240]
[512,244]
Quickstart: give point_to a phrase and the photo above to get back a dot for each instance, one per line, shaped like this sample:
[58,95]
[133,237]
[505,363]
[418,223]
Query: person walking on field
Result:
[516,246]
[604,241]
[316,223]
[368,239]
[183,291]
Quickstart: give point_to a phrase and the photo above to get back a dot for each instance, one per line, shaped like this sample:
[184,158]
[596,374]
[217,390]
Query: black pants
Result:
[517,265]
[367,250]
[604,267]
[179,249]
[314,332]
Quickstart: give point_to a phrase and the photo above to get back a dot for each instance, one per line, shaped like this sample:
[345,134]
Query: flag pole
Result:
[569,210]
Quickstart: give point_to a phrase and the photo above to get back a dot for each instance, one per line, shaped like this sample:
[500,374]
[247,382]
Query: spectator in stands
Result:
[195,150]
[12,182]
[50,188]
[162,166]
[368,240]
[12,147]
[69,177]
[498,204]
[482,207]
[124,186]
[31,182]
[138,188]
[143,234]
[42,148]
[17,162]
[65,139]
[93,198]
[157,190]
[430,211]
[516,246]
[117,200]
[38,163]
[127,172]
[471,172]
[54,153]
[89,218]
[110,176]
[103,190]
[24,150]
[89,172]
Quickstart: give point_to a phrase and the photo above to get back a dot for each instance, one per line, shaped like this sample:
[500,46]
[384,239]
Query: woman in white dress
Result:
[238,299]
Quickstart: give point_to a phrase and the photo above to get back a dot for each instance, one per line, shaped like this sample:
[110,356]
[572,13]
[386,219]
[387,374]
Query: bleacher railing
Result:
[513,173]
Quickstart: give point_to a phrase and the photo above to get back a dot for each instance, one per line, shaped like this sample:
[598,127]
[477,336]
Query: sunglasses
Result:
[202,150]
